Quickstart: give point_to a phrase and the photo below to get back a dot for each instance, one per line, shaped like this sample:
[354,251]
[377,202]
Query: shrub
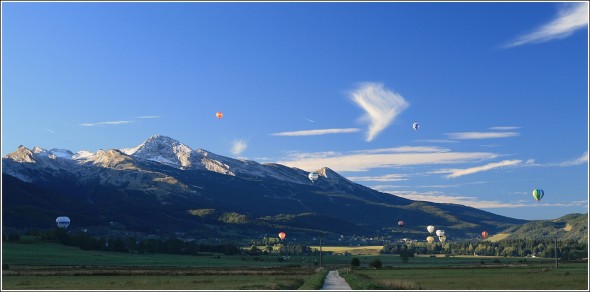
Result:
[355,262]
[375,263]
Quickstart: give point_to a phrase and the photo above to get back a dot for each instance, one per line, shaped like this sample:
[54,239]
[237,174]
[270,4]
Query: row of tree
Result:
[566,249]
[140,246]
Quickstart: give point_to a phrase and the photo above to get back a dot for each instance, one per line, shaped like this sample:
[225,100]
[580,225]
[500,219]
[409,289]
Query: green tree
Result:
[355,263]
[375,263]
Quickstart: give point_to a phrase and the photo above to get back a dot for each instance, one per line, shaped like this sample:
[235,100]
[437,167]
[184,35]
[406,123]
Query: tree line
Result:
[566,249]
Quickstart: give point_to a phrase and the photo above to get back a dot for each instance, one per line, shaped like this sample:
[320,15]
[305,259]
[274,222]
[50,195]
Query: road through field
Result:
[335,282]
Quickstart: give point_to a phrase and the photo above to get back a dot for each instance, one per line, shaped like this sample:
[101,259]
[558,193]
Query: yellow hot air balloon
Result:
[430,239]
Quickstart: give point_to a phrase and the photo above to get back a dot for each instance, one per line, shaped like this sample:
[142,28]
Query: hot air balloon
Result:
[430,229]
[401,224]
[415,126]
[62,222]
[282,235]
[538,194]
[440,233]
[219,115]
[313,176]
[430,239]
[484,234]
[442,238]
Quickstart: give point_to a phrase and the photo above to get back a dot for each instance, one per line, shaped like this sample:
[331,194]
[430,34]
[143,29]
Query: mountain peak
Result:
[162,149]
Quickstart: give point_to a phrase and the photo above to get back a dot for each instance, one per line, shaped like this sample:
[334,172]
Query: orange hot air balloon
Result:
[282,235]
[219,115]
[484,234]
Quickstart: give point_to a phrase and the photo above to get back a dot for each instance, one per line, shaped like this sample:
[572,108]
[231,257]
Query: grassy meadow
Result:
[31,265]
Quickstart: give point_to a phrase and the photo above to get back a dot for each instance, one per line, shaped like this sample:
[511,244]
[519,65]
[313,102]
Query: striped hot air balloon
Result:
[538,194]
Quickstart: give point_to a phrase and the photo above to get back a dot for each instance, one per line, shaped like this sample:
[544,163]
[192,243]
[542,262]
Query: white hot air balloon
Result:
[430,229]
[62,222]
[440,233]
[313,176]
[415,126]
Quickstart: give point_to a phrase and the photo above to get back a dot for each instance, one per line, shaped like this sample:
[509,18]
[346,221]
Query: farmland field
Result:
[48,266]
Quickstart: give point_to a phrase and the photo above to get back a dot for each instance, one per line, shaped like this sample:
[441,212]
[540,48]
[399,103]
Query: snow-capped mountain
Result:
[162,183]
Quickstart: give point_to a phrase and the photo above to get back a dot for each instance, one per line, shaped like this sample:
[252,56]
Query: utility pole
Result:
[556,262]
[320,251]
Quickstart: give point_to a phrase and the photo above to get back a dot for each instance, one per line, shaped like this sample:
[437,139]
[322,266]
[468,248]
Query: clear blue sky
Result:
[500,90]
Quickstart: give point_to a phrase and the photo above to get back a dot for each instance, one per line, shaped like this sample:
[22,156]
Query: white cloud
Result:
[461,172]
[382,178]
[504,128]
[149,117]
[365,161]
[571,17]
[105,123]
[381,105]
[580,160]
[438,197]
[481,135]
[48,130]
[238,147]
[317,132]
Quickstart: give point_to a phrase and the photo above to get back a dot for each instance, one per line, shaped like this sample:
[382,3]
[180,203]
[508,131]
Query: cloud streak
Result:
[578,161]
[438,197]
[467,171]
[149,117]
[381,106]
[481,135]
[105,123]
[370,160]
[571,17]
[317,132]
[382,178]
[48,130]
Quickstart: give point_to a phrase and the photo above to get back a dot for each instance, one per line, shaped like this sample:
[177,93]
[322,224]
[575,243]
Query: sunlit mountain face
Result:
[164,187]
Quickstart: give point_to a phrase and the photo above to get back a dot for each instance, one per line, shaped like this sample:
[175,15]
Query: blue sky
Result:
[500,90]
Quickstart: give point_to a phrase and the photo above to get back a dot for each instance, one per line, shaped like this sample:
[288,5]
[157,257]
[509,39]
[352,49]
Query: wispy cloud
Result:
[149,117]
[571,17]
[105,123]
[381,105]
[475,202]
[311,121]
[507,128]
[317,132]
[382,178]
[580,160]
[48,130]
[481,135]
[238,147]
[467,171]
[365,161]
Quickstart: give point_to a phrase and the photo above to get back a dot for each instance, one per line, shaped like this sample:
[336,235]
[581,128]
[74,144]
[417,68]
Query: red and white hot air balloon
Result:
[219,115]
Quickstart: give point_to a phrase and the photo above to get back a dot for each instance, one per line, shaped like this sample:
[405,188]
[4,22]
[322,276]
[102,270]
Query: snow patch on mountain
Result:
[162,149]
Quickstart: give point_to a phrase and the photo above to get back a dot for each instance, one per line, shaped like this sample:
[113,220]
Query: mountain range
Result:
[164,187]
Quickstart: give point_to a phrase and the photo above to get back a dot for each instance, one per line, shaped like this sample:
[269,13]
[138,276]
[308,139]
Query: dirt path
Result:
[333,281]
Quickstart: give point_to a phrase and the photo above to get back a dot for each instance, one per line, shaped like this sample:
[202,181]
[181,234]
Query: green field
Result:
[49,266]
